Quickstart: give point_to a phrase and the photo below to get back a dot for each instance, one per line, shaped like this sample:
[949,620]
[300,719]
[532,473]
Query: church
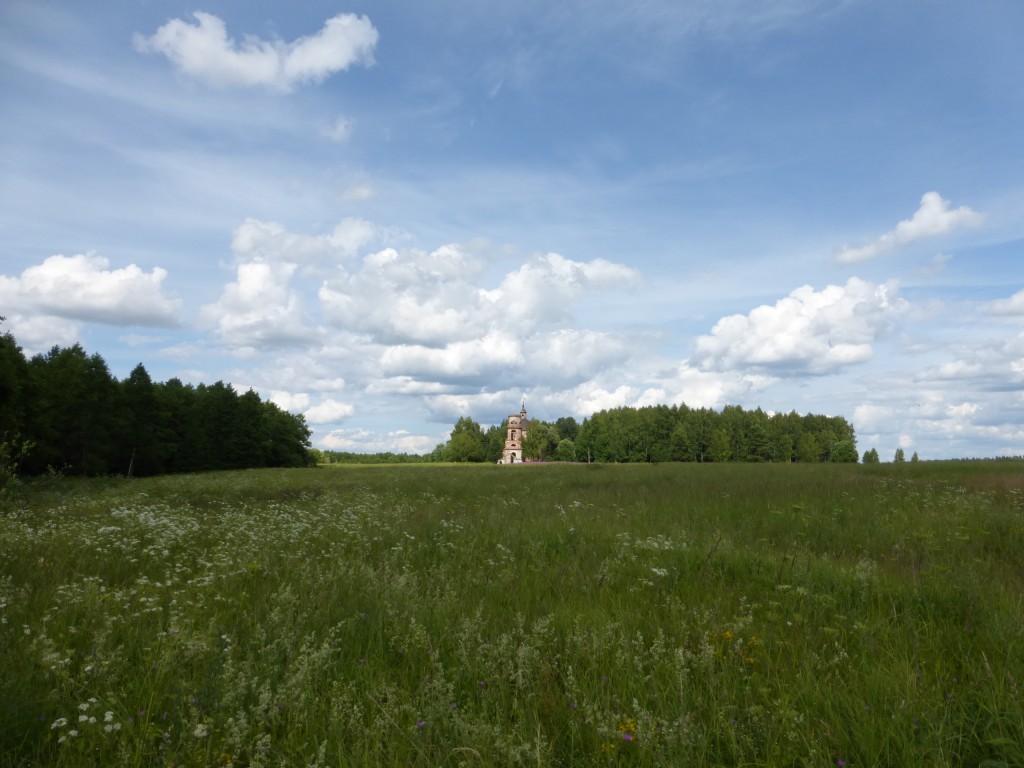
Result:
[514,436]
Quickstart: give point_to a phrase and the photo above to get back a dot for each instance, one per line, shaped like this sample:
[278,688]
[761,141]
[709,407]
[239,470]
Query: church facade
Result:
[515,433]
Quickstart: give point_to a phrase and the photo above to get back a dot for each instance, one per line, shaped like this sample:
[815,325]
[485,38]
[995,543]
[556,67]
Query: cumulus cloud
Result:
[204,51]
[260,308]
[933,217]
[808,332]
[439,326]
[84,288]
[290,401]
[329,412]
[38,333]
[266,303]
[433,299]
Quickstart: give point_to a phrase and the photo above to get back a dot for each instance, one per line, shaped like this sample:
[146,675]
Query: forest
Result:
[63,411]
[664,433]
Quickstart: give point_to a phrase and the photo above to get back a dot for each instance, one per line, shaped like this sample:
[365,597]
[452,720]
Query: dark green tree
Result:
[494,441]
[287,437]
[141,449]
[15,389]
[567,428]
[74,426]
[844,452]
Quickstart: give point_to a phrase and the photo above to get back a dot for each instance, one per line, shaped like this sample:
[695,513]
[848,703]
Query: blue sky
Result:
[386,215]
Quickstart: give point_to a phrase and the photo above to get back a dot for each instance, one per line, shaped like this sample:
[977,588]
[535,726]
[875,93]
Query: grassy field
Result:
[656,615]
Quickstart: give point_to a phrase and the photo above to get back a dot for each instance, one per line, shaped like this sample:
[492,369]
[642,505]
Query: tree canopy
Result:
[74,416]
[665,433]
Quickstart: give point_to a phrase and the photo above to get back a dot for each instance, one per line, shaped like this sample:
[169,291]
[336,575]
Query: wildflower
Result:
[200,731]
[421,724]
[60,722]
[628,729]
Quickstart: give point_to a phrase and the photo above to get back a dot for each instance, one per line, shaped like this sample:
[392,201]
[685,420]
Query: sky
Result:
[387,215]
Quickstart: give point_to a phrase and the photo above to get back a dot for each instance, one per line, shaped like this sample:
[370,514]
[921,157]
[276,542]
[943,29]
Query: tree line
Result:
[64,411]
[664,433]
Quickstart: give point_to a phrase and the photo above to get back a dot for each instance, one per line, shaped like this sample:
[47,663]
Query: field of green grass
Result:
[584,615]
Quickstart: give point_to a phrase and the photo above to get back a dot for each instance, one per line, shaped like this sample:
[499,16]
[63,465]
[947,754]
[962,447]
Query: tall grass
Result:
[557,615]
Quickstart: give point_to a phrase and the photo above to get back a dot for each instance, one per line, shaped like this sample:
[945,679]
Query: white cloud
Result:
[204,51]
[591,398]
[566,357]
[712,389]
[38,333]
[290,401]
[808,332]
[329,412]
[365,441]
[1011,306]
[83,287]
[871,417]
[933,217]
[260,308]
[268,241]
[266,303]
[471,359]
[430,299]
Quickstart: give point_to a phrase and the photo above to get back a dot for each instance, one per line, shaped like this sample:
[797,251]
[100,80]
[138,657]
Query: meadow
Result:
[563,615]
